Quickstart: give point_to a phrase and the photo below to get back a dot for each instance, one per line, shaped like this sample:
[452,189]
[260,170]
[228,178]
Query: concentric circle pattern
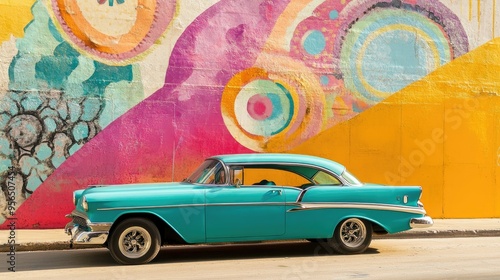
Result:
[393,44]
[269,107]
[113,31]
[266,112]
[377,47]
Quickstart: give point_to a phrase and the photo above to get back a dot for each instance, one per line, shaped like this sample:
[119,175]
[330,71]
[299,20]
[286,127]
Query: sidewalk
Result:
[56,239]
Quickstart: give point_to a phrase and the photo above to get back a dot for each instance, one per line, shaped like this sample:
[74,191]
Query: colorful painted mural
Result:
[101,92]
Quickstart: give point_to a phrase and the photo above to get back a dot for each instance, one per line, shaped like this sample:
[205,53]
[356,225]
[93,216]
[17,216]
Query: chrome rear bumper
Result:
[423,222]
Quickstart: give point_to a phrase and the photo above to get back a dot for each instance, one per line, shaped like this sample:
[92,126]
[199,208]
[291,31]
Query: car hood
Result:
[137,187]
[137,195]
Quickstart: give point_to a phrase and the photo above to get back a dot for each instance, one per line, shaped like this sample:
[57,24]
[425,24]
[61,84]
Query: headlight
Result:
[85,205]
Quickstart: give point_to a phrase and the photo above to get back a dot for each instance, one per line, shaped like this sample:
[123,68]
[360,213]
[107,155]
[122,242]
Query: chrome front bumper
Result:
[423,222]
[80,236]
[89,233]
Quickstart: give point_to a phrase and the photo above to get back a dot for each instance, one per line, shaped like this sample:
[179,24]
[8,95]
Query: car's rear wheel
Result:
[351,236]
[134,241]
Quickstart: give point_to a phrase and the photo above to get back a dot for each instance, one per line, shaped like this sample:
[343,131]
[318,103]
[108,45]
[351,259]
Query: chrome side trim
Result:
[199,205]
[250,204]
[150,207]
[300,207]
[369,206]
[423,222]
[294,204]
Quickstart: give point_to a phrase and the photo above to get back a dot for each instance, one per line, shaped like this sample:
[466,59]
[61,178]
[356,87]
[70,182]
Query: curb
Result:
[45,246]
[64,245]
[441,234]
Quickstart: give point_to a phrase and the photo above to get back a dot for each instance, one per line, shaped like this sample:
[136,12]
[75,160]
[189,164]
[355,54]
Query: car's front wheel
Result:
[351,236]
[134,241]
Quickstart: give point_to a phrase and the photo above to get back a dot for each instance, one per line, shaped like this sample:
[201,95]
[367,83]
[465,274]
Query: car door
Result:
[239,213]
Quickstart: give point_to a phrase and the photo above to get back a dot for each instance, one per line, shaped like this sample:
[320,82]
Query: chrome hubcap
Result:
[353,232]
[134,242]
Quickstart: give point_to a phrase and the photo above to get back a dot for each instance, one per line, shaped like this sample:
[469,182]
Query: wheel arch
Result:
[377,227]
[167,233]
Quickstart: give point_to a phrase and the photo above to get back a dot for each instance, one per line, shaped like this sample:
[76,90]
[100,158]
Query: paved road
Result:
[438,258]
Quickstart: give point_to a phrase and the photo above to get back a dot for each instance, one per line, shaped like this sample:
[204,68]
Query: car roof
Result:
[272,158]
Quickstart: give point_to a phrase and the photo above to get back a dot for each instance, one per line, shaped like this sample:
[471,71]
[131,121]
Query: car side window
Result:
[268,176]
[236,175]
[323,178]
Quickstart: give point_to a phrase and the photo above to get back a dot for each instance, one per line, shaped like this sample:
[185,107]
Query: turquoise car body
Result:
[201,211]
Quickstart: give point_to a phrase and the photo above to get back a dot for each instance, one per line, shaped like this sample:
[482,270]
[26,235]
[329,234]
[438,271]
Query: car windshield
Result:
[210,172]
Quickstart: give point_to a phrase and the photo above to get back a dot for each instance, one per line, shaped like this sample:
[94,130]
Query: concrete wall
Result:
[120,91]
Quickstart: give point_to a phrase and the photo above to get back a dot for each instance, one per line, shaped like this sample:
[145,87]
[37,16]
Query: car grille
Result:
[80,221]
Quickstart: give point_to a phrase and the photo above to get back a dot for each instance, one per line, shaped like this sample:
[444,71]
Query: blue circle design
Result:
[406,59]
[397,53]
[314,42]
[324,80]
[334,14]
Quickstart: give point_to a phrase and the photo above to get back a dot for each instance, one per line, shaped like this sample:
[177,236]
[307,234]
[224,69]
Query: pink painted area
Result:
[164,137]
[259,107]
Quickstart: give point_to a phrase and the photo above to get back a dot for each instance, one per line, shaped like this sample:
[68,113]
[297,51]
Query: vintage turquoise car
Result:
[241,198]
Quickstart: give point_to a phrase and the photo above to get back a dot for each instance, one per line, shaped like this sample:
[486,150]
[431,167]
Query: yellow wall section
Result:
[14,16]
[440,133]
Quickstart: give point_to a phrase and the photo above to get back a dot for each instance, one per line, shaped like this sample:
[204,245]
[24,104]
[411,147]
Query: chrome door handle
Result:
[276,192]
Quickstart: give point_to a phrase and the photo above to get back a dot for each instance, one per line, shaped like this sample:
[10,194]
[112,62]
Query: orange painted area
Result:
[84,30]
[14,16]
[441,133]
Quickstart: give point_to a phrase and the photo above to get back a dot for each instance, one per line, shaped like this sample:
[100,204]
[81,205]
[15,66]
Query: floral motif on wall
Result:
[39,130]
